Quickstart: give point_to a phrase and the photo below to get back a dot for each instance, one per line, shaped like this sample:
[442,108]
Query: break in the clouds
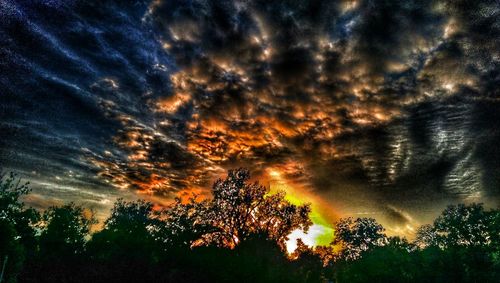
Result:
[380,108]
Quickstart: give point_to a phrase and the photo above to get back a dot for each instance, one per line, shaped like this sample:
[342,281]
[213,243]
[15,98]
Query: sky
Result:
[383,109]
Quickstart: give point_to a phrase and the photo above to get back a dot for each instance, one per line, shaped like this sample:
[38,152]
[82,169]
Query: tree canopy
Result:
[238,235]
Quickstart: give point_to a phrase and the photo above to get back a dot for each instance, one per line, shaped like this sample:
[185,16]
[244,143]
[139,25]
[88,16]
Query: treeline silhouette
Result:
[237,236]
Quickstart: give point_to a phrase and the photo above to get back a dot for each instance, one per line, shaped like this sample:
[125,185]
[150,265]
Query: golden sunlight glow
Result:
[321,232]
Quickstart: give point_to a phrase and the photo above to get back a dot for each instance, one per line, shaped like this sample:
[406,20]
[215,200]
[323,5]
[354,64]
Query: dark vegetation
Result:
[238,236]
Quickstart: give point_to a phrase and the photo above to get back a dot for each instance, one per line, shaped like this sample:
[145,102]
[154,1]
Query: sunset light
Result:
[249,141]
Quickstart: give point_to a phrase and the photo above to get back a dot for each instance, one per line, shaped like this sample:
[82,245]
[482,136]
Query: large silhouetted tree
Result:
[182,224]
[240,208]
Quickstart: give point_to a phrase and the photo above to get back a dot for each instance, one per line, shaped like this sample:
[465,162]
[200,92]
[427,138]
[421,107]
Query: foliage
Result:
[17,226]
[182,224]
[126,234]
[426,236]
[236,236]
[239,209]
[461,225]
[64,231]
[11,251]
[389,263]
[12,209]
[11,189]
[356,236]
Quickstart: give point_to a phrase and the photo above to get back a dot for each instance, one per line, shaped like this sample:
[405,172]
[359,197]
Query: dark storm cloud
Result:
[53,52]
[339,84]
[367,104]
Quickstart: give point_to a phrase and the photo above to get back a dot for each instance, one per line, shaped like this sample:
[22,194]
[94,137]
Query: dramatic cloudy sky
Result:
[386,109]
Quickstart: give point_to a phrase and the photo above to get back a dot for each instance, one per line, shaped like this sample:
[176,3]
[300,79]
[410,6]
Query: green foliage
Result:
[256,259]
[12,209]
[11,251]
[461,246]
[11,189]
[17,226]
[357,236]
[462,225]
[65,230]
[237,236]
[126,235]
[390,263]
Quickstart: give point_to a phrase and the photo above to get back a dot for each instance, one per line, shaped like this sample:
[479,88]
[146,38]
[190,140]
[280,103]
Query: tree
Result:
[13,210]
[308,263]
[426,236]
[126,232]
[11,252]
[391,262]
[65,231]
[461,225]
[239,209]
[238,235]
[460,246]
[17,226]
[356,236]
[257,258]
[494,231]
[125,249]
[11,189]
[181,224]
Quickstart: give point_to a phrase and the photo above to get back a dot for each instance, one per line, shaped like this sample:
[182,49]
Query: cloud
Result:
[358,102]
